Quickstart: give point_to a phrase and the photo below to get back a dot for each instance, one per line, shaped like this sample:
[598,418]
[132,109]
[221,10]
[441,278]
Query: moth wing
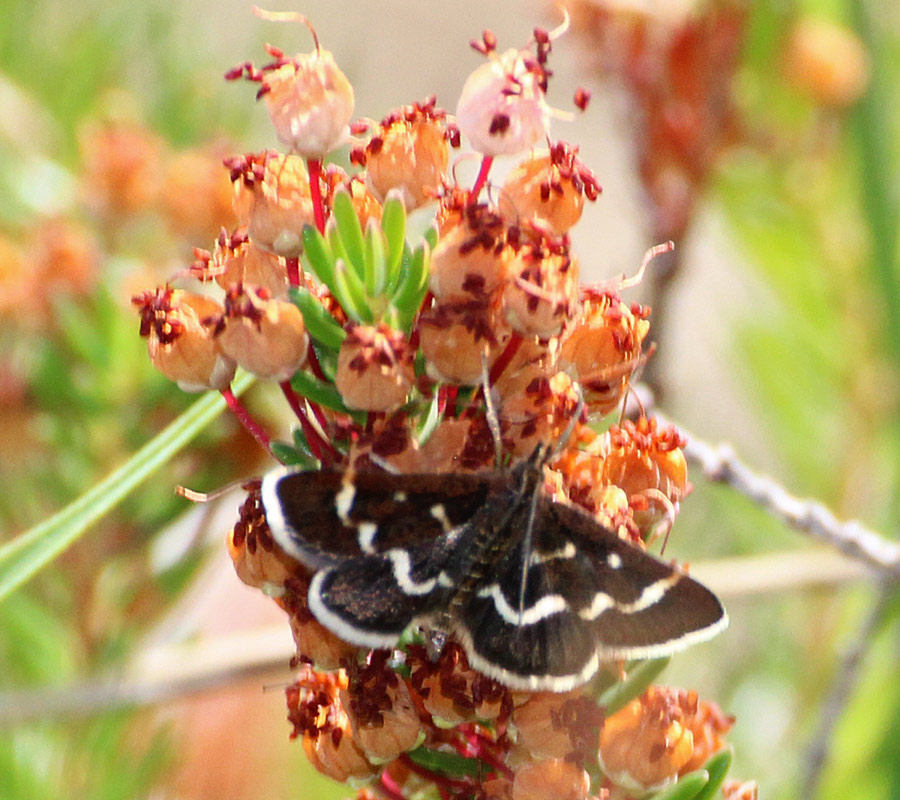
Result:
[323,517]
[589,597]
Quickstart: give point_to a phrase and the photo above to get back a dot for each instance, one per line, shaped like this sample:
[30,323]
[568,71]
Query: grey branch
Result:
[720,464]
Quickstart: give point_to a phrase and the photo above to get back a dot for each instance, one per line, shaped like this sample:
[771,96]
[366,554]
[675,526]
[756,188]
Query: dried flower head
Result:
[408,151]
[602,348]
[309,100]
[263,335]
[551,779]
[180,340]
[502,109]
[650,743]
[272,199]
[375,368]
[549,187]
[238,260]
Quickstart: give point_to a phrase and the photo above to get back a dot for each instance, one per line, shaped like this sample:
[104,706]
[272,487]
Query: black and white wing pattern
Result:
[538,592]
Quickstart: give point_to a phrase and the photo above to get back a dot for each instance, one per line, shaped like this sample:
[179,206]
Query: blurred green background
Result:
[781,335]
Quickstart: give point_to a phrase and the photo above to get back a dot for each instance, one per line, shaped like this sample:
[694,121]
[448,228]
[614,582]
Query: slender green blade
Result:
[640,676]
[319,323]
[393,223]
[350,293]
[688,787]
[348,228]
[318,255]
[717,766]
[25,555]
[376,265]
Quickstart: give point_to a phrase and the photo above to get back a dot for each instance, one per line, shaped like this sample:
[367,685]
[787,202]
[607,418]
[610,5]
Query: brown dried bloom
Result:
[647,463]
[451,691]
[196,196]
[365,203]
[542,291]
[549,186]
[647,745]
[265,336]
[375,368]
[272,199]
[408,152]
[456,338]
[740,790]
[258,561]
[551,779]
[603,347]
[558,725]
[238,260]
[316,712]
[472,257]
[384,717]
[314,642]
[122,165]
[180,344]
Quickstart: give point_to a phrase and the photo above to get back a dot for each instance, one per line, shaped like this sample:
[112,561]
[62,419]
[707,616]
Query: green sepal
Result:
[291,456]
[350,293]
[376,268]
[431,235]
[302,444]
[393,224]
[407,300]
[321,393]
[717,766]
[688,787]
[432,418]
[640,674]
[318,255]
[347,225]
[446,763]
[320,325]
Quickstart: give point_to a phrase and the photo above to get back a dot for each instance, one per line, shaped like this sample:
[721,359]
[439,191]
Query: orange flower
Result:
[180,341]
[375,368]
[266,337]
[651,742]
[602,349]
[408,152]
[553,779]
[549,187]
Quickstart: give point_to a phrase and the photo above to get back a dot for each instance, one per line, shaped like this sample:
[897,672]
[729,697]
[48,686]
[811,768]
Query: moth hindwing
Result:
[538,592]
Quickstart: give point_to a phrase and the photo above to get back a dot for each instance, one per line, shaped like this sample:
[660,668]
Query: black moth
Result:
[538,592]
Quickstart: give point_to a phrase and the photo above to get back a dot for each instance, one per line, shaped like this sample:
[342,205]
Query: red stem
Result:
[435,777]
[483,171]
[500,365]
[238,409]
[321,449]
[390,787]
[293,271]
[314,165]
[313,360]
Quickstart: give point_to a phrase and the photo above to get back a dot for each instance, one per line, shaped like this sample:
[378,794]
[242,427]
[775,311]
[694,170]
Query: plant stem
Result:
[245,418]
[314,166]
[483,171]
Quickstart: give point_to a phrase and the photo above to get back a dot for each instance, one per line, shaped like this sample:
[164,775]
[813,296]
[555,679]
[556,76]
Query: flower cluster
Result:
[460,350]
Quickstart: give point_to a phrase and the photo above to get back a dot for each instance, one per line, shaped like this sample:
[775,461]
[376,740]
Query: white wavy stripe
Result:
[533,683]
[651,595]
[340,626]
[545,607]
[281,531]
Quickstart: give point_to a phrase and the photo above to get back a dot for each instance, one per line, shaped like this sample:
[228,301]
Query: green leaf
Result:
[393,223]
[293,456]
[413,285]
[431,420]
[324,394]
[318,255]
[687,788]
[347,225]
[22,557]
[640,675]
[717,766]
[376,244]
[446,763]
[350,293]
[319,323]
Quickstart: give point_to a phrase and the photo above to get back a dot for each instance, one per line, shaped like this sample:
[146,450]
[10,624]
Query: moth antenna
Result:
[493,419]
[529,528]
[206,497]
[653,252]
